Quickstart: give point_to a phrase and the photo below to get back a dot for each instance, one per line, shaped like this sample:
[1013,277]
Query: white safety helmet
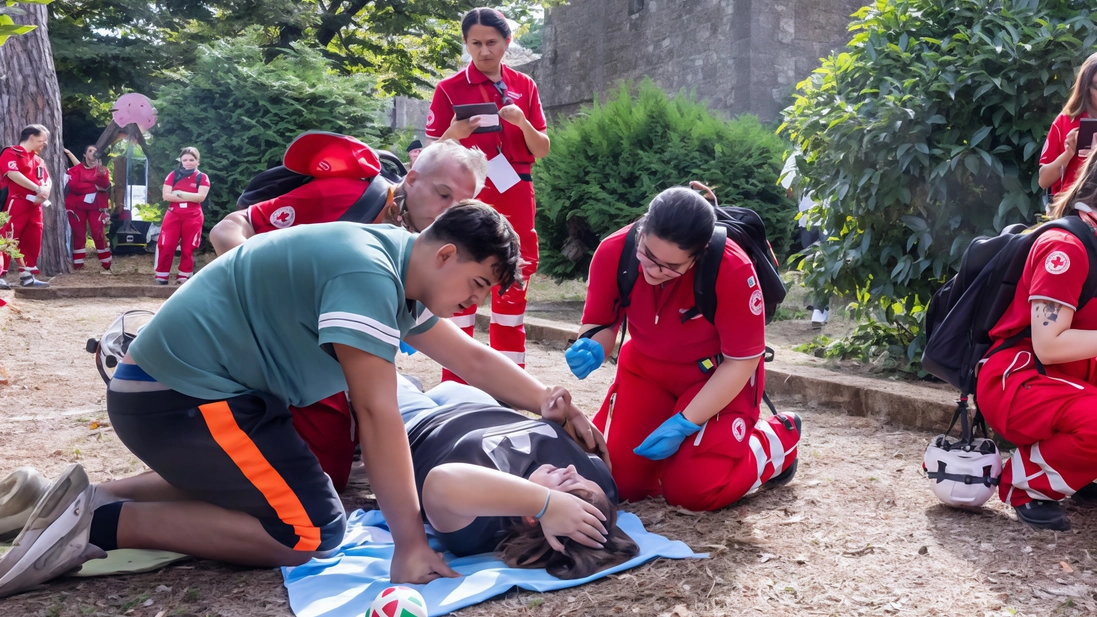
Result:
[964,474]
[114,344]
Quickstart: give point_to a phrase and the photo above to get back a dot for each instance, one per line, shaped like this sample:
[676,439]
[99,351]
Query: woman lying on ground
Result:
[493,480]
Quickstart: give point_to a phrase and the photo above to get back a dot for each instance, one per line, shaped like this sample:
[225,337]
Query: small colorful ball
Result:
[398,602]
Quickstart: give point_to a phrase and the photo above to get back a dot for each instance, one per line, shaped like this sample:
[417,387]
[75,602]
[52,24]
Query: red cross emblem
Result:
[283,217]
[1057,262]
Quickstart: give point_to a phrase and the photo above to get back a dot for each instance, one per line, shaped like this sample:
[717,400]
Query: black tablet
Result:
[464,112]
[1086,131]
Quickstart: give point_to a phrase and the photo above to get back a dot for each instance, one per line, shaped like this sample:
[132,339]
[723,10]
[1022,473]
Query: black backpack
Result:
[176,179]
[746,229]
[961,314]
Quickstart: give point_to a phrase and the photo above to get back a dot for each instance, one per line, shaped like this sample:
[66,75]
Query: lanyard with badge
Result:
[500,171]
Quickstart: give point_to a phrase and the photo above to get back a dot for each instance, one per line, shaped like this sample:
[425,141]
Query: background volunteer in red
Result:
[88,206]
[24,174]
[511,153]
[184,189]
[1041,392]
[681,418]
[342,168]
[1063,156]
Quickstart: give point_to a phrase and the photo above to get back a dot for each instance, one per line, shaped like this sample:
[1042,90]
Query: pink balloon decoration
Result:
[136,109]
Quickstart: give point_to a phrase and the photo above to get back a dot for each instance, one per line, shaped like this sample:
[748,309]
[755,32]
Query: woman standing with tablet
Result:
[513,138]
[1064,151]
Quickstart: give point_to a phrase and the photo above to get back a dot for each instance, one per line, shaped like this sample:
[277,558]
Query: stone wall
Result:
[743,56]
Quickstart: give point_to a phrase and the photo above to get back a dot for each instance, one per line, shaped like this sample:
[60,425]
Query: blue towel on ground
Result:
[344,585]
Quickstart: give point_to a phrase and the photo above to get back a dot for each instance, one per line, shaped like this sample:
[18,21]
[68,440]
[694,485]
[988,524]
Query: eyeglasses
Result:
[501,88]
[647,261]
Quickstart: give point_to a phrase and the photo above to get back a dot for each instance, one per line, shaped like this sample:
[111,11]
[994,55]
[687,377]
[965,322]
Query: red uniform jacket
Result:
[85,181]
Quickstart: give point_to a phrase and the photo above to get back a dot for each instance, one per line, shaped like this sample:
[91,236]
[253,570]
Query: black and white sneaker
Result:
[55,538]
[1043,514]
[30,281]
[4,284]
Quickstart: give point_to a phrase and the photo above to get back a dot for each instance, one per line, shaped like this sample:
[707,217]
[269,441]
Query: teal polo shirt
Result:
[263,316]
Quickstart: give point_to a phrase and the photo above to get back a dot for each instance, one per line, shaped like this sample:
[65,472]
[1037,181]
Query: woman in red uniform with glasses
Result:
[681,418]
[511,153]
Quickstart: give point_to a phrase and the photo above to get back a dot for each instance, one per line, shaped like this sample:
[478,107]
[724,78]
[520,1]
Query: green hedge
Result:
[609,161]
[241,113]
[926,130]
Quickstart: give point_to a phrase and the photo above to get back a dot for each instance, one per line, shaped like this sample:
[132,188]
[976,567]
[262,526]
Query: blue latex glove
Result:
[665,440]
[584,356]
[408,349]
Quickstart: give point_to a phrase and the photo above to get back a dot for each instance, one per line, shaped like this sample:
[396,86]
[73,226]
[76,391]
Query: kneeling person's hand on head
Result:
[557,407]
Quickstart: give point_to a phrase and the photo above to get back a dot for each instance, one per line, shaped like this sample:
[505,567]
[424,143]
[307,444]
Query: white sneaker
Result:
[819,318]
[30,281]
[19,493]
[55,539]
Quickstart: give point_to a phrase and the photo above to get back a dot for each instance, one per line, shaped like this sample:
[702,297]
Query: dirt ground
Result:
[857,532]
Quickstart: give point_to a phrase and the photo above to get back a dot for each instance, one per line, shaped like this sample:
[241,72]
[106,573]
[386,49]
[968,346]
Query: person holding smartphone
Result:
[88,206]
[511,153]
[1064,153]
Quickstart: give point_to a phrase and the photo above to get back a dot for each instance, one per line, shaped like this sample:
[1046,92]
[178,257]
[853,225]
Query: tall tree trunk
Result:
[29,95]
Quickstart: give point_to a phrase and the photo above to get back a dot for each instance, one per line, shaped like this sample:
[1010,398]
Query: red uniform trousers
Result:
[732,454]
[328,428]
[1052,419]
[25,226]
[180,225]
[80,222]
[507,331]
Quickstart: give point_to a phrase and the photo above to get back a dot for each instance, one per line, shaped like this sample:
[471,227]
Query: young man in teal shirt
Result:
[287,319]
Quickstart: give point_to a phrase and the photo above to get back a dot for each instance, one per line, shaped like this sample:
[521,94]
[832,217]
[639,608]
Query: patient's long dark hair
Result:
[525,546]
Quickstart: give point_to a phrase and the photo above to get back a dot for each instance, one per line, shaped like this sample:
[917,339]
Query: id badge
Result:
[89,198]
[502,174]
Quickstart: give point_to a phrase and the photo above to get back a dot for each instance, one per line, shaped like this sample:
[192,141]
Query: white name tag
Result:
[89,198]
[488,119]
[502,174]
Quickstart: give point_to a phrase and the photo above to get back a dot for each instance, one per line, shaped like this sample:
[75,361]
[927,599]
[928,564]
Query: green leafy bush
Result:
[241,113]
[8,246]
[609,161]
[926,131]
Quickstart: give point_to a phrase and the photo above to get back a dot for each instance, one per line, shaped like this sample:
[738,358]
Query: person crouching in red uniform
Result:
[88,206]
[511,153]
[185,189]
[681,418]
[23,173]
[1037,387]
